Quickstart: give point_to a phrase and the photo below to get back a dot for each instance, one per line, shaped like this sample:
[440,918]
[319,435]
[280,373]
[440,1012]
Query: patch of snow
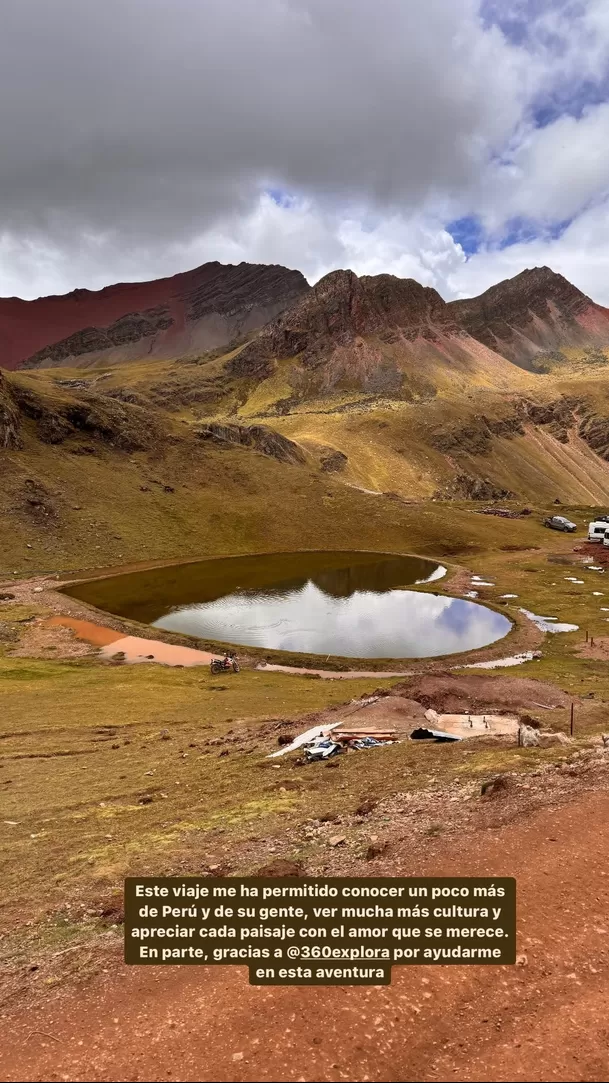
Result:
[544,623]
[471,593]
[509,595]
[498,663]
[598,593]
[439,573]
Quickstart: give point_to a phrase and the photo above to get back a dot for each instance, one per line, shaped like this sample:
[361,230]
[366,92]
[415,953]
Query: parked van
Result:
[597,531]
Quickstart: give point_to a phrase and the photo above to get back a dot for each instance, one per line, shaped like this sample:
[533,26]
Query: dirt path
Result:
[544,1019]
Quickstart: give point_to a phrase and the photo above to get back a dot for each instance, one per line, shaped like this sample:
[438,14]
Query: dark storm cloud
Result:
[156,119]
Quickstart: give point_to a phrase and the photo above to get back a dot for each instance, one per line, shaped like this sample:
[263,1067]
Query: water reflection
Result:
[356,605]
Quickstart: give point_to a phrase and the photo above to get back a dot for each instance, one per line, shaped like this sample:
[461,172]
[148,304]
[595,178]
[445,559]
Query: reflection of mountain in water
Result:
[147,595]
[378,577]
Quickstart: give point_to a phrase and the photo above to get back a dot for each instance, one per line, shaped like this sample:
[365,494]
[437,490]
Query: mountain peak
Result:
[342,310]
[536,311]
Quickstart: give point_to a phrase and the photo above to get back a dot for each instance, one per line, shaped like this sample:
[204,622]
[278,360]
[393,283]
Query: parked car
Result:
[558,522]
[597,530]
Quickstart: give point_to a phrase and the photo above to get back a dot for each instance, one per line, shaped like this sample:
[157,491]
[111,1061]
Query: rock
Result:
[38,590]
[376,849]
[258,437]
[550,739]
[366,806]
[328,817]
[145,799]
[9,416]
[6,597]
[496,787]
[530,721]
[285,739]
[528,737]
[282,866]
[333,461]
[337,840]
[113,911]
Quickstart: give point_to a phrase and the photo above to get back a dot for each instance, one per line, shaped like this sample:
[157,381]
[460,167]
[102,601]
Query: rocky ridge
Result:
[534,312]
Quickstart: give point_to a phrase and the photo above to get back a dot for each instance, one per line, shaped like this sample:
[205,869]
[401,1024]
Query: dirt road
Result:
[544,1019]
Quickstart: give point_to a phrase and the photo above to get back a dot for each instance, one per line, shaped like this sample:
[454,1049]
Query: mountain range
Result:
[362,331]
[203,394]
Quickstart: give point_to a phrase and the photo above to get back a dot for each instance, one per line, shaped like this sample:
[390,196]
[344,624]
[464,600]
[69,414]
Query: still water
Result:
[356,605]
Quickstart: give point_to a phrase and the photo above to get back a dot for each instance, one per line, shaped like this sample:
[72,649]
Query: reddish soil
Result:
[458,693]
[85,629]
[137,649]
[596,648]
[594,549]
[28,326]
[545,1018]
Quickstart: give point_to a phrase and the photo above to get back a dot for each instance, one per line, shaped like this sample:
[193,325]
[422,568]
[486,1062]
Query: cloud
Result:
[580,253]
[141,138]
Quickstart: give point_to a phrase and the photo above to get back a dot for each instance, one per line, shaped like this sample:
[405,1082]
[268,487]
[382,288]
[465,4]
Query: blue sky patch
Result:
[280,197]
[467,232]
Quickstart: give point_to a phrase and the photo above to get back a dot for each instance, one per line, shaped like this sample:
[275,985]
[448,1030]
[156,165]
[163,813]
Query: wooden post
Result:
[572,717]
[586,637]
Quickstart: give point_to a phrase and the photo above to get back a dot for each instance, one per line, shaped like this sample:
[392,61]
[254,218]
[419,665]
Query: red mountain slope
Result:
[191,312]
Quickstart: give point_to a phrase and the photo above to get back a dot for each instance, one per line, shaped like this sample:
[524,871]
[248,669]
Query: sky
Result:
[452,141]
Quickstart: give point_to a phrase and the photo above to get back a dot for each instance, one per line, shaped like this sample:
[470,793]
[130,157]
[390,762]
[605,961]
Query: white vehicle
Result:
[597,531]
[606,539]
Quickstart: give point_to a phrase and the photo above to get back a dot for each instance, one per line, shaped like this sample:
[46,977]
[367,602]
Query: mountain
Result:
[536,312]
[382,335]
[193,312]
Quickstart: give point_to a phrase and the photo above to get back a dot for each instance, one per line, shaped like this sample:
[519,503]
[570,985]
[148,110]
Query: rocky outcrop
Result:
[257,437]
[332,461]
[476,436]
[595,431]
[9,417]
[127,330]
[479,489]
[126,427]
[338,314]
[537,312]
[186,315]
